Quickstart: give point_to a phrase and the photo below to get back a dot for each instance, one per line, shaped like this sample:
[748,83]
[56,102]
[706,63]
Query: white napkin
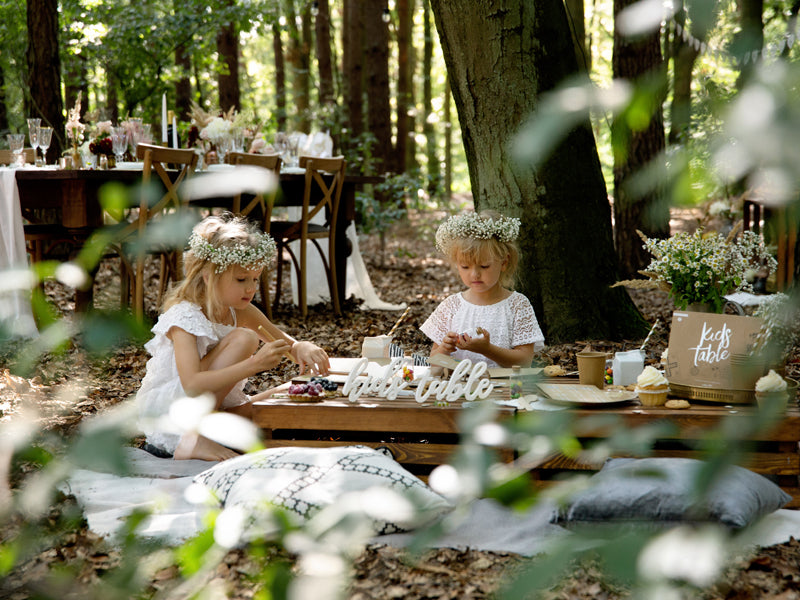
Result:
[317,144]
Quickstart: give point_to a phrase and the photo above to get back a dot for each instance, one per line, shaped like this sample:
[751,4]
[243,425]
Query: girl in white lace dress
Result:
[487,322]
[207,340]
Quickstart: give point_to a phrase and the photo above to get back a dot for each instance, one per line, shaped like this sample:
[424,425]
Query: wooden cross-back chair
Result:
[262,200]
[171,166]
[324,178]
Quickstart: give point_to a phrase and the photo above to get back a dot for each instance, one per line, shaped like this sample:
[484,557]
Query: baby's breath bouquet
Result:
[701,268]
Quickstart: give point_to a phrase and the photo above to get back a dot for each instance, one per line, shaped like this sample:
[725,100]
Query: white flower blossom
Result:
[473,225]
[253,257]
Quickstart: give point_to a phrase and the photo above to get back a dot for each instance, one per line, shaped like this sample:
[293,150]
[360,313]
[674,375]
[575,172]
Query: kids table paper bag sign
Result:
[701,346]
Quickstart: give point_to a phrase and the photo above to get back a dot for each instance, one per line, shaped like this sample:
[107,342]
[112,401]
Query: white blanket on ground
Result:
[160,484]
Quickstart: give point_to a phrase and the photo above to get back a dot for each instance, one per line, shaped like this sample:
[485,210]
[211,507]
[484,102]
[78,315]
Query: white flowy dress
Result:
[510,323]
[161,385]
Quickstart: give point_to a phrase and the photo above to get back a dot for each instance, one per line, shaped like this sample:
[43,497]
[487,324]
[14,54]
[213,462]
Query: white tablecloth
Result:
[15,307]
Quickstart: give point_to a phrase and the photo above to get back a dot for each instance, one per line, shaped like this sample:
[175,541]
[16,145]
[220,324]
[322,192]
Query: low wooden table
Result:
[423,436]
[419,436]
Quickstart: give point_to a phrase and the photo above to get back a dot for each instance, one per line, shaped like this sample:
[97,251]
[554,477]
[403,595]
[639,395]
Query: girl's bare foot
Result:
[193,445]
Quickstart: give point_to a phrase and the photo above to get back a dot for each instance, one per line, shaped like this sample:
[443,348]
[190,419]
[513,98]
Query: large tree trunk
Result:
[353,45]
[684,56]
[750,40]
[501,56]
[183,87]
[228,78]
[577,26]
[322,35]
[297,59]
[379,115]
[280,77]
[639,61]
[434,172]
[448,143]
[44,69]
[405,86]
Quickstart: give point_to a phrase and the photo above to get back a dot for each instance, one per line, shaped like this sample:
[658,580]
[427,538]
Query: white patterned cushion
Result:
[304,481]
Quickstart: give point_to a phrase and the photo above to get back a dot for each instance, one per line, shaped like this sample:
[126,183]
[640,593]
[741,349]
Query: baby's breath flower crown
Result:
[252,257]
[473,225]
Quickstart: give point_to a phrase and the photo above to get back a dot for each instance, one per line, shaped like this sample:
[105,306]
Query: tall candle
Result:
[164,118]
[174,132]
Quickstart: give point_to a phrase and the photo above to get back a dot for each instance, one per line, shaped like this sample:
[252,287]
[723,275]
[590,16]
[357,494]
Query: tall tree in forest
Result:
[353,45]
[280,77]
[749,41]
[376,53]
[228,75]
[577,27]
[183,86]
[501,57]
[638,139]
[297,57]
[44,75]
[683,58]
[434,172]
[322,37]
[404,149]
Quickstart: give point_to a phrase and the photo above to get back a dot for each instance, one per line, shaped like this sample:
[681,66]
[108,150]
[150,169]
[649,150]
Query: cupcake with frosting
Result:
[772,389]
[652,387]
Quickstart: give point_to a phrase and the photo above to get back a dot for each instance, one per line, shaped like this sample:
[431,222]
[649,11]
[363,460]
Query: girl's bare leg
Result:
[194,445]
[235,347]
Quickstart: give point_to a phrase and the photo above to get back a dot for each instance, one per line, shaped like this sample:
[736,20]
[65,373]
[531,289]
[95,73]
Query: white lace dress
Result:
[161,385]
[510,323]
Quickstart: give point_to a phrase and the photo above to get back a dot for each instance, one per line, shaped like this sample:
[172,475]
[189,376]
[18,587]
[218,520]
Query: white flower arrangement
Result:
[703,268]
[216,130]
[74,127]
[473,225]
[255,257]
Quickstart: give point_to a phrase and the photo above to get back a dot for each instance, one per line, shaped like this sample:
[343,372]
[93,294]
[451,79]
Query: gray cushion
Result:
[663,489]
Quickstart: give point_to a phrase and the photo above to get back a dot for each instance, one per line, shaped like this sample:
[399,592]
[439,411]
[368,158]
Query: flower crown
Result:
[244,255]
[473,225]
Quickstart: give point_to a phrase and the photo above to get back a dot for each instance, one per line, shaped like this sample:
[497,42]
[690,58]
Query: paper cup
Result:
[592,368]
[772,400]
[652,397]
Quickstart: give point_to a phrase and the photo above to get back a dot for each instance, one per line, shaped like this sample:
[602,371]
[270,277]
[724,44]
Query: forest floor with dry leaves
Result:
[70,388]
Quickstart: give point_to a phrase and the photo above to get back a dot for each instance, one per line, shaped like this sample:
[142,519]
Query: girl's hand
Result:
[479,344]
[448,345]
[312,356]
[270,354]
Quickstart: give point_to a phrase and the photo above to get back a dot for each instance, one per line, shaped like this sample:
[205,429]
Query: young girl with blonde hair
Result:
[488,321]
[207,339]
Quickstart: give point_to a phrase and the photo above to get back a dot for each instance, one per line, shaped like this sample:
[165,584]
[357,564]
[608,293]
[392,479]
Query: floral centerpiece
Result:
[702,268]
[74,129]
[102,143]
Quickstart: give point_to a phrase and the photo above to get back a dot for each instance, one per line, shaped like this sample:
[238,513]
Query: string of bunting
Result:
[771,50]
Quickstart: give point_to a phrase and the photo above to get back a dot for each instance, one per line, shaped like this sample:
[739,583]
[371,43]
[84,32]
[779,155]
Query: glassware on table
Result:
[238,141]
[33,131]
[119,142]
[45,136]
[223,147]
[16,142]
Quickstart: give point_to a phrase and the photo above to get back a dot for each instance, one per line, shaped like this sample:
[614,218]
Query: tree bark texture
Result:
[183,86]
[405,85]
[44,69]
[353,45]
[577,26]
[636,144]
[434,172]
[322,35]
[750,40]
[379,112]
[501,56]
[228,78]
[280,77]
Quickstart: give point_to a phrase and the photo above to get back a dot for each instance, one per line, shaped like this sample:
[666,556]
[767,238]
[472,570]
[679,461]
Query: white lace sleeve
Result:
[526,326]
[188,317]
[441,319]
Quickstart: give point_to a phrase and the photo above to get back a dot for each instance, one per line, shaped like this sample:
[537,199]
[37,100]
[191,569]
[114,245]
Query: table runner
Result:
[15,307]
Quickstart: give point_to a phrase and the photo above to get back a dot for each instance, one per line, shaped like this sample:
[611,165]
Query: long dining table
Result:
[71,198]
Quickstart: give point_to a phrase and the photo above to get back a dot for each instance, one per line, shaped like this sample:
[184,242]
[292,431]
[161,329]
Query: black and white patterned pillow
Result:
[306,480]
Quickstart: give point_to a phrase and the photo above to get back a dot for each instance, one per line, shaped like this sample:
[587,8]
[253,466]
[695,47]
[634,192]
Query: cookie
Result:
[554,371]
[677,404]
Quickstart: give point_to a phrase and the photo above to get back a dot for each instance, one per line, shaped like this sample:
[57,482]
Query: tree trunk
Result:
[577,27]
[183,87]
[44,70]
[684,56]
[112,96]
[749,42]
[3,107]
[379,115]
[297,59]
[448,143]
[322,34]
[501,56]
[639,61]
[434,172]
[280,77]
[353,44]
[228,78]
[405,85]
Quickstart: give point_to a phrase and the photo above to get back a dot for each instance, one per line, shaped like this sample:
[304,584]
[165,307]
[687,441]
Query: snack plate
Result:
[301,399]
[583,395]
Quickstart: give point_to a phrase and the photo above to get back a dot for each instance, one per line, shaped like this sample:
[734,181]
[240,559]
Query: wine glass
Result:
[119,142]
[33,132]
[223,147]
[16,142]
[45,136]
